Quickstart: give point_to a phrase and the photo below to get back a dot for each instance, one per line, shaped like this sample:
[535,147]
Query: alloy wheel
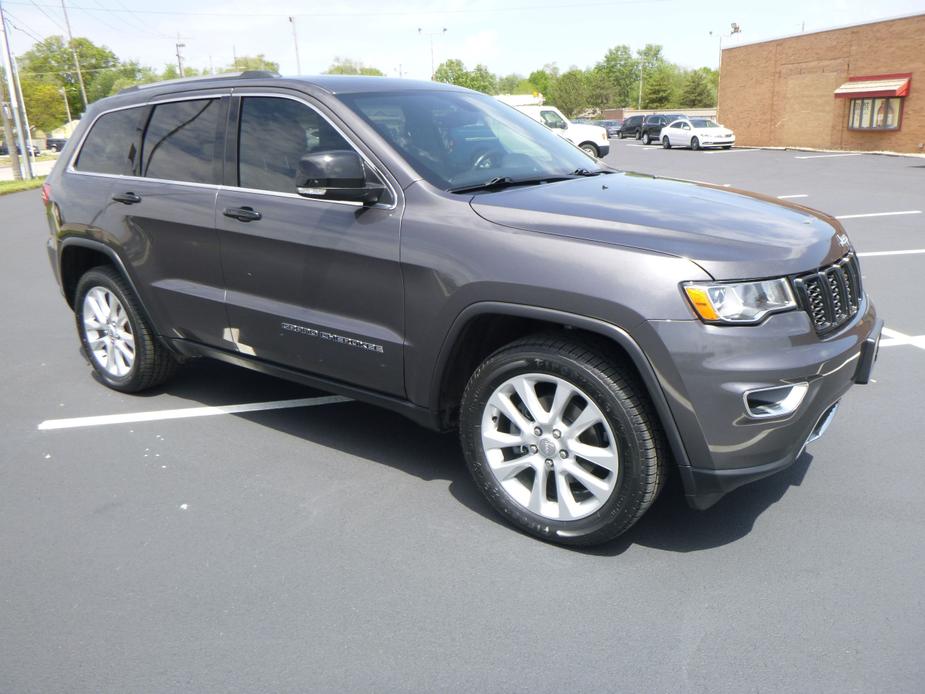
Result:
[549,446]
[108,332]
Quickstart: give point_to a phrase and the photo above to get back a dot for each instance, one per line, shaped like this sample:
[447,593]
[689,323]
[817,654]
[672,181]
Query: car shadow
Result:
[387,438]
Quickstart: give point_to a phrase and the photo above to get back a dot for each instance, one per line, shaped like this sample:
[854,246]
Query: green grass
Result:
[6,161]
[16,186]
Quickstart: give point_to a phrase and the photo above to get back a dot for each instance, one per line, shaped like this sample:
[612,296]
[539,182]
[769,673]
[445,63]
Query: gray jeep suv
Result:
[434,251]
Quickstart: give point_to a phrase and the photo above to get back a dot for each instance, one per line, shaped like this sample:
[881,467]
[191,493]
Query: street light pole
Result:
[70,38]
[295,41]
[431,34]
[8,135]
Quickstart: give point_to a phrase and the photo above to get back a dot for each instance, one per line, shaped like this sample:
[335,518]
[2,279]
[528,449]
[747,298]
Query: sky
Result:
[516,36]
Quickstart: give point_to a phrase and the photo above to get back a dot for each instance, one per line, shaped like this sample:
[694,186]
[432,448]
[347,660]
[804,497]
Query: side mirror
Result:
[337,175]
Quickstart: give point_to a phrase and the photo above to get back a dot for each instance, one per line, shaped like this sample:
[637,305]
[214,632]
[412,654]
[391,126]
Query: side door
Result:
[674,134]
[552,119]
[685,134]
[311,284]
[166,212]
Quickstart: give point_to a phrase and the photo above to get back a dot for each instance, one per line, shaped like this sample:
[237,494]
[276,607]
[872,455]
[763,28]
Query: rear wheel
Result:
[647,139]
[562,442]
[695,143]
[639,134]
[666,143]
[116,338]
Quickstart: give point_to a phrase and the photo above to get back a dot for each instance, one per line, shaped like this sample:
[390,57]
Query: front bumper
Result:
[718,142]
[707,370]
[603,149]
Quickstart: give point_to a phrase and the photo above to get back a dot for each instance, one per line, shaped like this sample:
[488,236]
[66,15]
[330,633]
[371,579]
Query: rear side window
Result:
[275,134]
[111,145]
[181,141]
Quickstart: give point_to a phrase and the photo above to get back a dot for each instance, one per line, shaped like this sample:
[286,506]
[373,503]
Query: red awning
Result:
[874,85]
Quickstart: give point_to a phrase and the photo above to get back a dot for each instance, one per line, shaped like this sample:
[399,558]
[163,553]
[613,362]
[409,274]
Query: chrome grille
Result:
[832,295]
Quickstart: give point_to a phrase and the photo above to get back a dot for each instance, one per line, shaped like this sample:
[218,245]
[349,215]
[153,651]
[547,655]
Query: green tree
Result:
[252,62]
[51,61]
[348,66]
[451,71]
[697,92]
[570,92]
[545,78]
[622,72]
[44,104]
[508,83]
[481,80]
[600,90]
[657,90]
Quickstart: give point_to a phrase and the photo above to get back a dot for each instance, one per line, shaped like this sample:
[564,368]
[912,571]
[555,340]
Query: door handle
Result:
[127,198]
[243,214]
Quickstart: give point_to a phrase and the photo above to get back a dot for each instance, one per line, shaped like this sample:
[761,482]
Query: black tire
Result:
[647,138]
[621,398]
[152,364]
[590,148]
[639,134]
[695,144]
[666,143]
[620,135]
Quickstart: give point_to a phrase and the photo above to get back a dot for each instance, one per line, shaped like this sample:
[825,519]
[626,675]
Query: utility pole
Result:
[431,34]
[8,134]
[70,38]
[179,58]
[295,41]
[15,101]
[67,106]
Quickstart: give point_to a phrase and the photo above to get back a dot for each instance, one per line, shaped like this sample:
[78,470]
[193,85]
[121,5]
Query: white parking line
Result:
[874,254]
[877,214]
[788,197]
[730,151]
[894,338]
[825,156]
[186,412]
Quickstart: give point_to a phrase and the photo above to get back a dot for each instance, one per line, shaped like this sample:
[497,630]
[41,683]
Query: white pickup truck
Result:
[591,138]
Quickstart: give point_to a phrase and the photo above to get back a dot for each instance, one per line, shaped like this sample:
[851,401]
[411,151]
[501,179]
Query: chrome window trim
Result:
[347,139]
[221,187]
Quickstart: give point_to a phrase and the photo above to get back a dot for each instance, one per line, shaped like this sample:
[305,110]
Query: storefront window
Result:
[875,114]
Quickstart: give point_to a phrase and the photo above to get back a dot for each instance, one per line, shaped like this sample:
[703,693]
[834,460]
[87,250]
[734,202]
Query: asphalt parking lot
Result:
[340,548]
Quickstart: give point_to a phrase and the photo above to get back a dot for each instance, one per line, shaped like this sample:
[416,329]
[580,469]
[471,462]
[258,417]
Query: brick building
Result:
[849,88]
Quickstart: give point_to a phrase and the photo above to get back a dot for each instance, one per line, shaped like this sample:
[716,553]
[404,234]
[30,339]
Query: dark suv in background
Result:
[432,250]
[632,127]
[651,130]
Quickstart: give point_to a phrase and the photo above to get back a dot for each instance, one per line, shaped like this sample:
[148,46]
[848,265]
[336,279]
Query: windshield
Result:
[459,139]
[703,123]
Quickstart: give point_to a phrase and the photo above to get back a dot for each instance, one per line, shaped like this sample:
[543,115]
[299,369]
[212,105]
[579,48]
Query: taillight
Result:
[46,193]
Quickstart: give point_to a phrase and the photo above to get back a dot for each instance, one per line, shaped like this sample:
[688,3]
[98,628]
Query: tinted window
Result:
[111,146]
[180,142]
[275,134]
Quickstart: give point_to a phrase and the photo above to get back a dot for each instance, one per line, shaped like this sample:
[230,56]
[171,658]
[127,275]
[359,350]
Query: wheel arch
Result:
[483,327]
[77,255]
[588,143]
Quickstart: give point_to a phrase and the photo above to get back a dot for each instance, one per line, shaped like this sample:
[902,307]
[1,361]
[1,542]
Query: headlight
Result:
[740,302]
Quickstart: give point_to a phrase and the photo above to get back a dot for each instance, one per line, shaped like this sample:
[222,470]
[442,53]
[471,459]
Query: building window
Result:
[875,114]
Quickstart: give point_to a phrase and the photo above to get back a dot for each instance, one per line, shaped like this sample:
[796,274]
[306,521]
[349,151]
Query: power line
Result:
[50,18]
[22,28]
[367,13]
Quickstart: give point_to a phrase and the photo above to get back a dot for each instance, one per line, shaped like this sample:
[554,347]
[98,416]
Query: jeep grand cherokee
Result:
[432,250]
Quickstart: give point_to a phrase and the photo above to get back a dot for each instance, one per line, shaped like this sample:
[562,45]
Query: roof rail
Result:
[245,74]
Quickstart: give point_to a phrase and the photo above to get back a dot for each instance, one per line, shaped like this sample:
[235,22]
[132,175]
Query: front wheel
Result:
[117,339]
[563,443]
[666,143]
[695,144]
[647,139]
[589,149]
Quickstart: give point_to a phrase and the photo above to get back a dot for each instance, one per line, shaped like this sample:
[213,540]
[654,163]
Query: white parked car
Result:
[592,139]
[696,133]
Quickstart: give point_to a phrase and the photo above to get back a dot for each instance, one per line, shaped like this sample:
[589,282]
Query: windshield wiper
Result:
[500,182]
[586,172]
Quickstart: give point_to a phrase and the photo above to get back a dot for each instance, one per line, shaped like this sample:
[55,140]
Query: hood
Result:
[731,234]
[586,131]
